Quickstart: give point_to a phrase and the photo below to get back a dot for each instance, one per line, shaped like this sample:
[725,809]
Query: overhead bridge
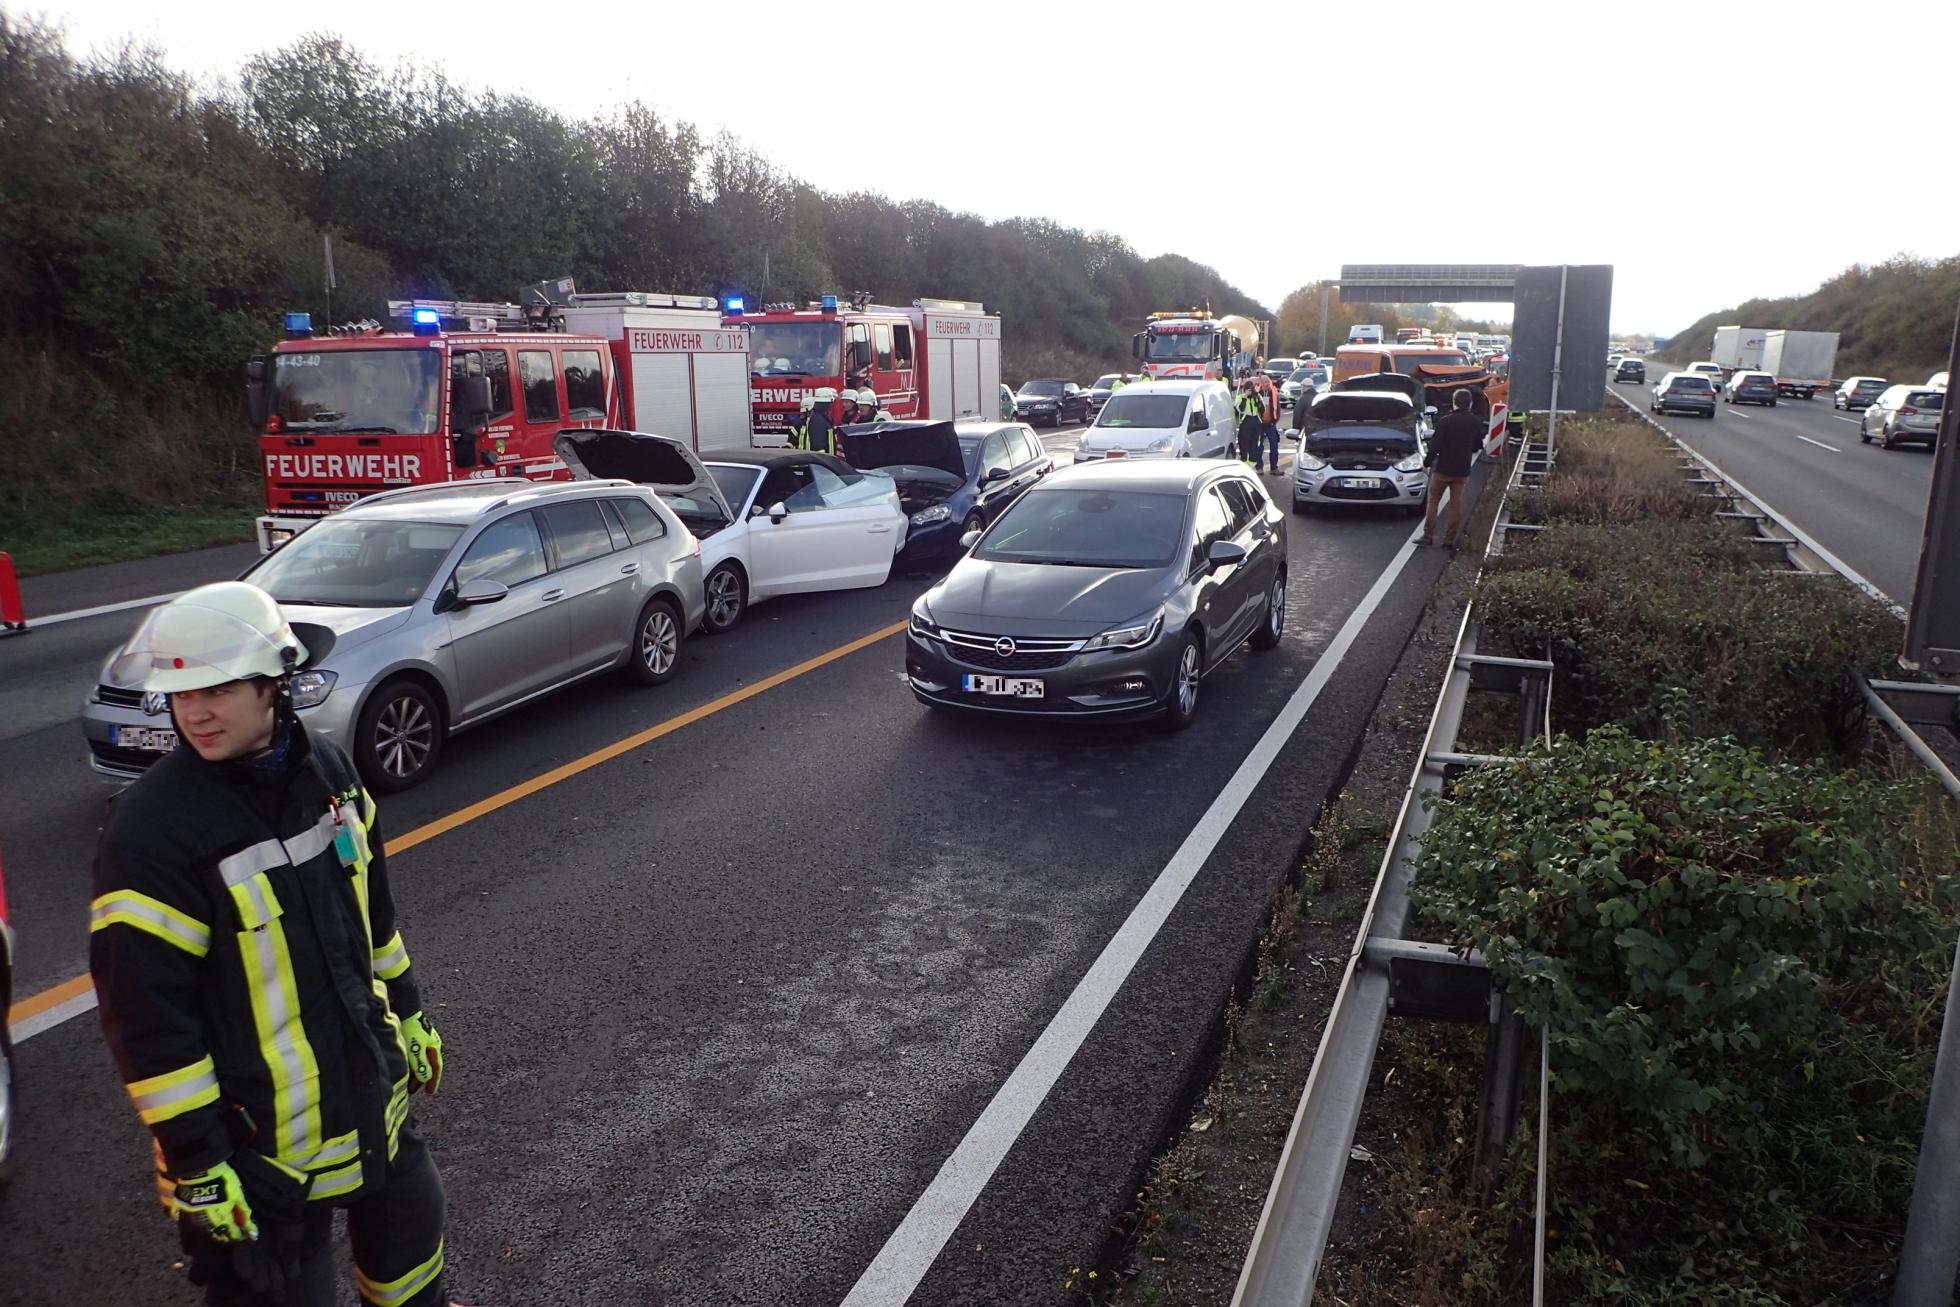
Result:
[1427,283]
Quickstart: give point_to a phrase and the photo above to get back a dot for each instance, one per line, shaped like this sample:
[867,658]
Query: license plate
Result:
[145,739]
[1013,687]
[1361,483]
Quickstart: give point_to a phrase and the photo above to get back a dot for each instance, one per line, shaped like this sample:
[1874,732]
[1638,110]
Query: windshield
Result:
[794,349]
[1869,387]
[735,483]
[1041,388]
[1088,528]
[356,564]
[385,391]
[1927,399]
[1303,374]
[1180,345]
[1146,410]
[1692,381]
[1108,379]
[1406,364]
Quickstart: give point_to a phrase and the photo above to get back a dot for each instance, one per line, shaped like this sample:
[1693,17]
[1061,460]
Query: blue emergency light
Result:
[829,304]
[734,304]
[299,326]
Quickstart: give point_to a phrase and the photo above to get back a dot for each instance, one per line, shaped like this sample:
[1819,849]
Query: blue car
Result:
[952,477]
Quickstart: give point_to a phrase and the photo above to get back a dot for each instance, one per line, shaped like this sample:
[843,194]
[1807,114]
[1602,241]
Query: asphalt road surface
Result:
[1865,504]
[721,1009]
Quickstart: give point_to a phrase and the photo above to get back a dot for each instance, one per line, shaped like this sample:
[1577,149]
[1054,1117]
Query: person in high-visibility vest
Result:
[1252,424]
[819,431]
[254,987]
[799,427]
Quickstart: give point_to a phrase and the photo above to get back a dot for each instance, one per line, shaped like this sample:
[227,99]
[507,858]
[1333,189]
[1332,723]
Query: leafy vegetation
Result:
[151,232]
[1894,319]
[1741,963]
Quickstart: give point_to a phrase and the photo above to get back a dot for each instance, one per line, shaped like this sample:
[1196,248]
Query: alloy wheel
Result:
[1187,680]
[660,641]
[724,599]
[404,735]
[1276,610]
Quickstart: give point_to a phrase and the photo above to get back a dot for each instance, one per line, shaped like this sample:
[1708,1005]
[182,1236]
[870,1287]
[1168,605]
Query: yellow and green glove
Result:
[215,1201]
[424,1047]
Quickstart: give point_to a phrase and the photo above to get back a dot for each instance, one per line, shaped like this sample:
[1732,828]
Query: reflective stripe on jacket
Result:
[244,950]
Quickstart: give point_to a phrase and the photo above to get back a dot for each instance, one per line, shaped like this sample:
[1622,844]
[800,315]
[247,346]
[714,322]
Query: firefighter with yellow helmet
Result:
[253,984]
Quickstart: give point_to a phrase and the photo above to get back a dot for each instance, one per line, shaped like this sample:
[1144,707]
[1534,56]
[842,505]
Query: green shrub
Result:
[1741,962]
[1612,469]
[1660,619]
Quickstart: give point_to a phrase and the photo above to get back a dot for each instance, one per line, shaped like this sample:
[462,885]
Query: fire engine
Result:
[1192,343]
[467,390]
[938,359]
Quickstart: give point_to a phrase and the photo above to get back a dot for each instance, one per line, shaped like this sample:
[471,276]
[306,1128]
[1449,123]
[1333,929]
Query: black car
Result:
[952,479]
[1630,370]
[1108,591]
[1751,388]
[1052,400]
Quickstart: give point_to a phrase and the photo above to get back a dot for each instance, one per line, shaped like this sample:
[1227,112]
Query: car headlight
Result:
[1131,635]
[1413,463]
[310,689]
[923,626]
[934,513]
[1308,463]
[1160,444]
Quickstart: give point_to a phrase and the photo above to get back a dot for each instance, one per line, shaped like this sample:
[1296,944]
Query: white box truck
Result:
[1738,349]
[1801,361]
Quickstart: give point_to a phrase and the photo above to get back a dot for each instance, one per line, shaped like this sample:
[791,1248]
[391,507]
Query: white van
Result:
[1365,333]
[1163,419]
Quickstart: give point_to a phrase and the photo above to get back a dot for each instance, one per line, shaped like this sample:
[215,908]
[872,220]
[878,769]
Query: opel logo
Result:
[1004,646]
[156,703]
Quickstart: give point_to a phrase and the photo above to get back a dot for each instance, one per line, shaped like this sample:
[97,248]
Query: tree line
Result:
[153,230]
[1893,319]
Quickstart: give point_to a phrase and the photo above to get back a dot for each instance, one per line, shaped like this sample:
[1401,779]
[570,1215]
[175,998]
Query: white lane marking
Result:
[1842,418]
[78,614]
[1739,413]
[1820,444]
[22,1031]
[917,1242]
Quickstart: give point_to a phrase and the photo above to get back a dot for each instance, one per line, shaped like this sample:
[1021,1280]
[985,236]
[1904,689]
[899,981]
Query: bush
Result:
[1612,469]
[1653,620]
[1741,962]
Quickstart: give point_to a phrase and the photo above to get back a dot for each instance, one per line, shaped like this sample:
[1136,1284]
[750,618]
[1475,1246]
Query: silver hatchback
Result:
[430,610]
[1903,415]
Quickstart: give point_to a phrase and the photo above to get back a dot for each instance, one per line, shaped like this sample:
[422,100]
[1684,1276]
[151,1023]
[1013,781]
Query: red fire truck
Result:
[478,390]
[937,359]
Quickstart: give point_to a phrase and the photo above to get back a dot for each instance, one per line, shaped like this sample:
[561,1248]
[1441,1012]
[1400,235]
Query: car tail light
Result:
[1908,411]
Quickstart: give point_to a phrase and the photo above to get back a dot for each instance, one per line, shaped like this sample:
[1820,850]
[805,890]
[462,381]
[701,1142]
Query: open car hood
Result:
[659,462]
[1389,382]
[869,446]
[1376,408]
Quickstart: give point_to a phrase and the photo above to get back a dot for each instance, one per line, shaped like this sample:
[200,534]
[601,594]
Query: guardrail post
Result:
[13,616]
[1932,1247]
[1506,1046]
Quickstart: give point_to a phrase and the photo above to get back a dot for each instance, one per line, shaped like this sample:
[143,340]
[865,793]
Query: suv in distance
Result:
[1751,388]
[1903,415]
[430,609]
[1858,392]
[1630,369]
[1686,392]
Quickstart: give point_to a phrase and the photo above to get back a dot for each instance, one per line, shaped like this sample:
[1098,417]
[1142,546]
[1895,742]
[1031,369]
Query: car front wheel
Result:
[1187,678]
[398,737]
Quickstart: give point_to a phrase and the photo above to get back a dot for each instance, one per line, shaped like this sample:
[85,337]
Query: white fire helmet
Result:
[809,402]
[826,393]
[868,396]
[208,636]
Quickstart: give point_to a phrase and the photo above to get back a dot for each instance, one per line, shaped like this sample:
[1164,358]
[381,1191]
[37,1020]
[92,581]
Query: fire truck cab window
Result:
[585,385]
[496,366]
[540,380]
[902,345]
[857,355]
[882,333]
[370,391]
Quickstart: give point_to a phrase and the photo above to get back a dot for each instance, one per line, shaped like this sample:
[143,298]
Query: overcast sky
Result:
[1710,152]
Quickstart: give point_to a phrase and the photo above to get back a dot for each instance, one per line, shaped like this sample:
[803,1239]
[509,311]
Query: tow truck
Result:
[1191,344]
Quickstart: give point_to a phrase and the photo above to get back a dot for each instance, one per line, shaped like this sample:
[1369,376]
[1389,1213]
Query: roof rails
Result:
[641,299]
[515,487]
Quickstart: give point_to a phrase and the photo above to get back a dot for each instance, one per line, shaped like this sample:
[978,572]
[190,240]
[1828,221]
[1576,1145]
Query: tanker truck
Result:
[1191,343]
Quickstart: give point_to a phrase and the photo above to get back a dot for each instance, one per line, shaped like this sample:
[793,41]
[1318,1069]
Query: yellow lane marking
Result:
[34,1004]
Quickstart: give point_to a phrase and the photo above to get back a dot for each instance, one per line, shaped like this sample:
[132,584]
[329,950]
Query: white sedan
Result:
[770,521]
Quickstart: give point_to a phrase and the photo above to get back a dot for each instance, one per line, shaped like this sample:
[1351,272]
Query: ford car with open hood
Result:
[770,521]
[1362,447]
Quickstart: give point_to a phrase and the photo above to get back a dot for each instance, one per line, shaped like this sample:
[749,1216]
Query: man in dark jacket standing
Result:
[254,988]
[1452,451]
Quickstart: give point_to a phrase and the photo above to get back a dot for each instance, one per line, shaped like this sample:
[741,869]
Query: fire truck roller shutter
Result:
[966,378]
[721,400]
[989,365]
[939,378]
[662,400]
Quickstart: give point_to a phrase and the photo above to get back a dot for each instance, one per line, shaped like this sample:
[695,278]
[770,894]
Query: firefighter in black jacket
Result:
[253,986]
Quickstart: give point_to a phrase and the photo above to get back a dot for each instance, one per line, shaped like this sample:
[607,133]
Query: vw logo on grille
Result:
[156,703]
[1004,646]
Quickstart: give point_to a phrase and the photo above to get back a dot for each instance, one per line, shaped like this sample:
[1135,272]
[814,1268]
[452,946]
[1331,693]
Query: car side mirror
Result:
[970,539]
[1224,553]
[777,512]
[258,400]
[997,474]
[481,591]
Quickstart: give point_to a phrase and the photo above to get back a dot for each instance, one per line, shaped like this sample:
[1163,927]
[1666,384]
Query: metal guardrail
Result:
[1287,1247]
[1284,1258]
